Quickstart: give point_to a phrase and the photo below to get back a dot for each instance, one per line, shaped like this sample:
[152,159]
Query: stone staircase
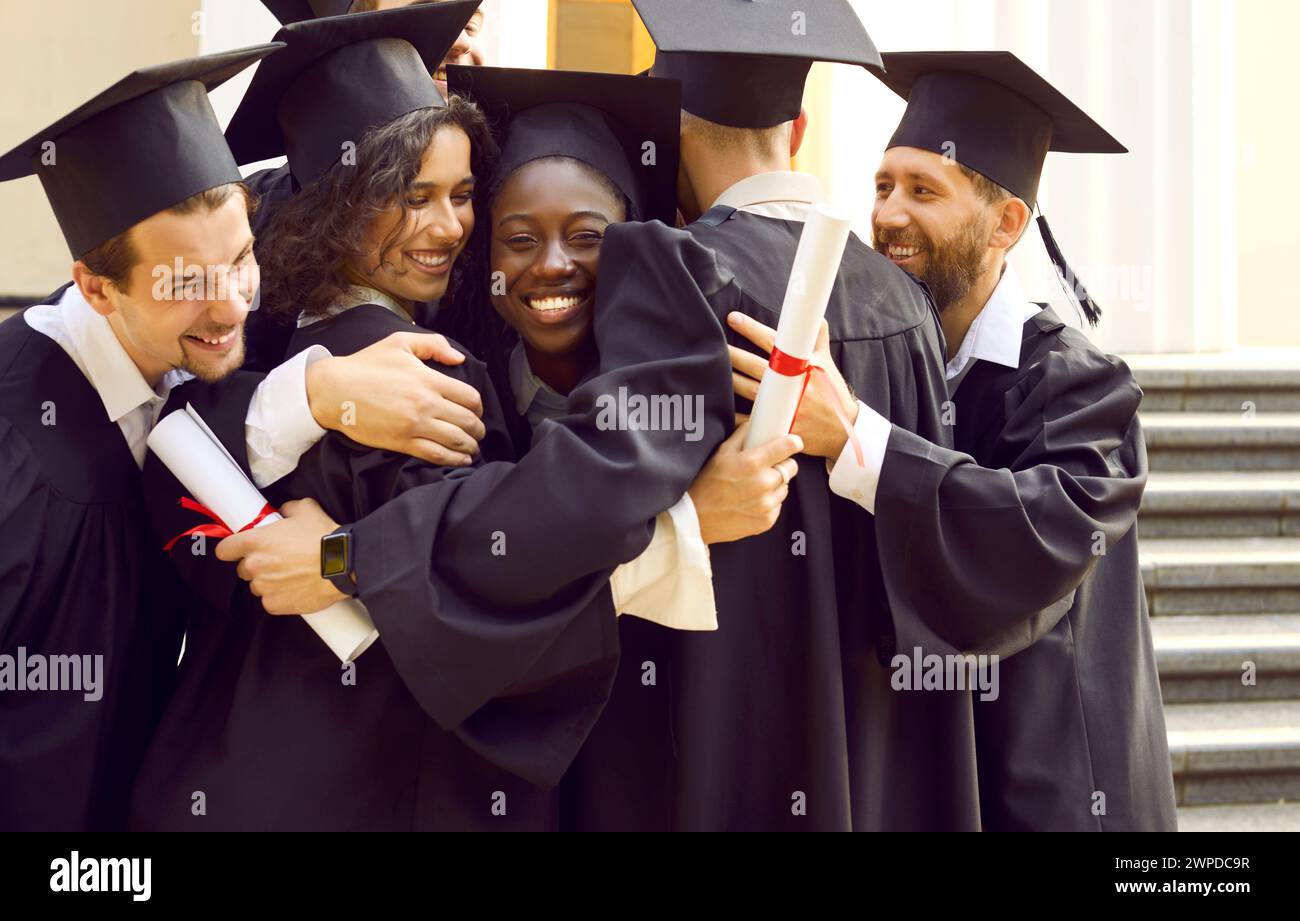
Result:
[1220,547]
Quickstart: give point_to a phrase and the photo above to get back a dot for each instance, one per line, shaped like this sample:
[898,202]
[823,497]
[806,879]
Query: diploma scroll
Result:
[197,458]
[816,265]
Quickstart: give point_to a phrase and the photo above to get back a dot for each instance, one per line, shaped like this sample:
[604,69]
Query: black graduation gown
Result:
[997,552]
[79,576]
[783,719]
[490,669]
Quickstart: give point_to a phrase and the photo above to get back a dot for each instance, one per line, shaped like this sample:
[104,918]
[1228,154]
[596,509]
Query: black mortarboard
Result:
[743,63]
[147,142]
[288,11]
[337,78]
[603,120]
[992,113]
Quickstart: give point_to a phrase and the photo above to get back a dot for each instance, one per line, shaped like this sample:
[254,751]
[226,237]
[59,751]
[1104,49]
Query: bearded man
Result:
[1020,541]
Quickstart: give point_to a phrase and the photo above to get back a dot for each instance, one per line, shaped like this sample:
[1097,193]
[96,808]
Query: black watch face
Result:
[334,555]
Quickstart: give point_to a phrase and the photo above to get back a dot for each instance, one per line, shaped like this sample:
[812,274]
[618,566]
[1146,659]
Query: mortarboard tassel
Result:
[1072,282]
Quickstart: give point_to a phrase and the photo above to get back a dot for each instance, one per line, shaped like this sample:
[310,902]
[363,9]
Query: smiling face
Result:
[184,301]
[410,256]
[931,220]
[469,44]
[548,222]
[468,50]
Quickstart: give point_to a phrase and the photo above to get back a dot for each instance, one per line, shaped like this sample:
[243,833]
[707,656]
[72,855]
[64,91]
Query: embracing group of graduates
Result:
[581,625]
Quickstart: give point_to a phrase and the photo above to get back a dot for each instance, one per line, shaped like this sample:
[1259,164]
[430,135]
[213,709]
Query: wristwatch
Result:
[338,561]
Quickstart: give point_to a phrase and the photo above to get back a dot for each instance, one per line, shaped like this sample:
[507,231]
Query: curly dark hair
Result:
[309,241]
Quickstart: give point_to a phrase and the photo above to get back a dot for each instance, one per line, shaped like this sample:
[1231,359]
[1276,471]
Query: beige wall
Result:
[53,56]
[1269,182]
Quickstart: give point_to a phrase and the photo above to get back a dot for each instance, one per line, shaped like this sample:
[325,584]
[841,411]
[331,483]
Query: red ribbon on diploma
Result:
[218,529]
[789,366]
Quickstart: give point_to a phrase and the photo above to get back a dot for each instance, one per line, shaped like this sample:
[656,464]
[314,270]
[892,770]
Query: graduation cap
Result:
[743,63]
[339,77]
[992,113]
[149,141]
[603,120]
[288,11]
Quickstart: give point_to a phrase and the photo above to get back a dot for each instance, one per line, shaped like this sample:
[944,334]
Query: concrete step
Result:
[1222,441]
[1255,575]
[1266,379]
[1236,752]
[1228,657]
[1220,503]
[1252,817]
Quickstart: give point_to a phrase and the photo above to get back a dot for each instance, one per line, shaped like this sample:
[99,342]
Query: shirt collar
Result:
[997,331]
[528,389]
[355,296]
[774,188]
[110,370]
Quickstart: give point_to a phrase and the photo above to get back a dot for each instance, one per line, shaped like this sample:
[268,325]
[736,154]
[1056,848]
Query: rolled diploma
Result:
[816,265]
[193,454]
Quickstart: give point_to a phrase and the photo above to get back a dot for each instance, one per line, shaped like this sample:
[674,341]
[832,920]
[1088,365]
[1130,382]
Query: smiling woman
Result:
[396,222]
[580,152]
[548,221]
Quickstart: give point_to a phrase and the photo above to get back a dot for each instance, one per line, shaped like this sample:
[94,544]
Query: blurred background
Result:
[1182,242]
[1175,240]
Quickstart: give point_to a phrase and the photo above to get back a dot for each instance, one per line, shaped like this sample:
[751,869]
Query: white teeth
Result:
[548,304]
[432,262]
[903,252]
[222,341]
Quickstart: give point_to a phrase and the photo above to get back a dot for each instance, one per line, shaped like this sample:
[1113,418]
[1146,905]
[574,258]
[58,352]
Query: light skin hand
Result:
[739,493]
[281,561]
[817,423]
[385,397]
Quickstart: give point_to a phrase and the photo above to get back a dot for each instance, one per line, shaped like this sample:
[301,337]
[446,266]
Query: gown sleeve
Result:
[985,558]
[498,567]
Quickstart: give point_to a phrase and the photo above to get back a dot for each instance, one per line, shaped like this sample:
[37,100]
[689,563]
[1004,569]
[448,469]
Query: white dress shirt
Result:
[994,336]
[671,582]
[782,194]
[279,426]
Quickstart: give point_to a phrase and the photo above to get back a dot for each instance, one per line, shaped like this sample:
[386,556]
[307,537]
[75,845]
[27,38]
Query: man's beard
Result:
[216,368]
[952,267]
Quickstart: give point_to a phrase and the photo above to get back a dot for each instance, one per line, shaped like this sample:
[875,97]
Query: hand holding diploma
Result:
[281,561]
[791,383]
[195,457]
